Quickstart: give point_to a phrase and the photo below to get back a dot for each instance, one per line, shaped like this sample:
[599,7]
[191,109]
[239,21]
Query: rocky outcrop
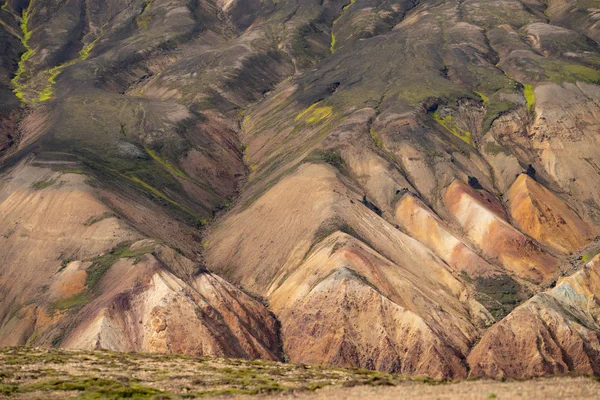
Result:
[555,332]
[347,306]
[157,312]
[545,217]
[484,220]
[75,275]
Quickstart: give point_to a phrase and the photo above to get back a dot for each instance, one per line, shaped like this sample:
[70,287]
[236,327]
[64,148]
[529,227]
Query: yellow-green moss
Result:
[332,44]
[319,114]
[84,53]
[577,72]
[305,112]
[561,71]
[314,114]
[47,92]
[74,301]
[484,98]
[43,184]
[32,337]
[529,97]
[176,171]
[168,166]
[25,36]
[376,138]
[247,123]
[348,5]
[163,196]
[143,20]
[448,124]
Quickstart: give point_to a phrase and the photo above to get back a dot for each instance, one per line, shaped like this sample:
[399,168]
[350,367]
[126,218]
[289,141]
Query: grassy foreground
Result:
[32,373]
[27,373]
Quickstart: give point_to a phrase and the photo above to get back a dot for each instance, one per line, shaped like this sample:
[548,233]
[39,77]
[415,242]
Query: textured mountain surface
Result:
[411,186]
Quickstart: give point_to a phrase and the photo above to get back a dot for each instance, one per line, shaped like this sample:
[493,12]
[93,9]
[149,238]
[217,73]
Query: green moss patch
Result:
[91,387]
[101,265]
[314,114]
[43,184]
[495,149]
[447,123]
[327,156]
[495,108]
[98,218]
[376,138]
[74,302]
[22,71]
[529,97]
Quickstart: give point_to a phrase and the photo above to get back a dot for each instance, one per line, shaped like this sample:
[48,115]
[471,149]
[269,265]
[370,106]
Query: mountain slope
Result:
[385,184]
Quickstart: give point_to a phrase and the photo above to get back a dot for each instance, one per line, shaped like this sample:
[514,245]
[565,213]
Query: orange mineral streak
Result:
[483,218]
[545,217]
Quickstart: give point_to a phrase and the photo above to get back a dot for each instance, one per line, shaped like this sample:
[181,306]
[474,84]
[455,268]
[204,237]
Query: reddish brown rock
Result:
[555,332]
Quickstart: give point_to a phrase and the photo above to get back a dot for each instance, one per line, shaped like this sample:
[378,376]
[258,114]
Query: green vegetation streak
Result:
[26,35]
[176,171]
[529,97]
[143,20]
[332,44]
[48,91]
[448,124]
[314,114]
[101,265]
[376,138]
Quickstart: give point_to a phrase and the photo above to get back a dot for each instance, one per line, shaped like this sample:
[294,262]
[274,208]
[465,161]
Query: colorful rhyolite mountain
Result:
[400,185]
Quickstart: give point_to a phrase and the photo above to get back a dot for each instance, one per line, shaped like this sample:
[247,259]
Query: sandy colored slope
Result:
[564,137]
[545,217]
[569,117]
[429,229]
[326,309]
[144,307]
[42,227]
[75,275]
[241,245]
[484,220]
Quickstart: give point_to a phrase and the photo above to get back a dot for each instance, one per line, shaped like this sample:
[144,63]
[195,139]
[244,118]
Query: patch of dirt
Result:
[547,388]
